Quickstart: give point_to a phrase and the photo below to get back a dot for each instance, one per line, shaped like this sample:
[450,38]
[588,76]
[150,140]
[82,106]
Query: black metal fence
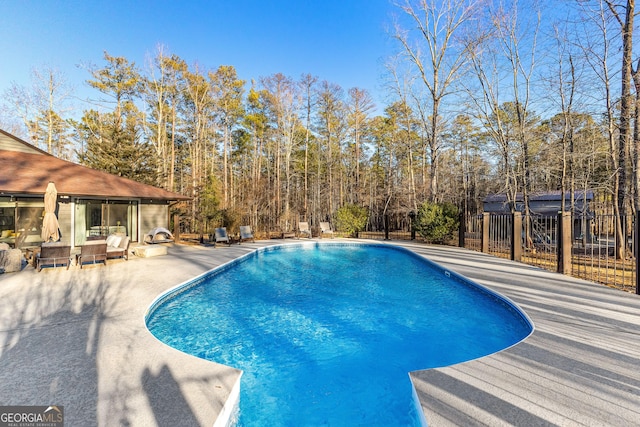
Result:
[585,246]
[595,251]
[387,228]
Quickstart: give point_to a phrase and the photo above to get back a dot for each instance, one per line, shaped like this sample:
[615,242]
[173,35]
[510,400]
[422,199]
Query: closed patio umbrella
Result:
[50,224]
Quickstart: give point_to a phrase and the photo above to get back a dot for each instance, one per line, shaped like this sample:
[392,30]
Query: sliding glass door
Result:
[100,218]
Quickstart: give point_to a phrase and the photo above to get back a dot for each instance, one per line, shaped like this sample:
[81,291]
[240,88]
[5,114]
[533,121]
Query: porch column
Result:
[176,227]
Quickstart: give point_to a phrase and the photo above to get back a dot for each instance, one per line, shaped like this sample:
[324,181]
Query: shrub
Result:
[437,222]
[351,219]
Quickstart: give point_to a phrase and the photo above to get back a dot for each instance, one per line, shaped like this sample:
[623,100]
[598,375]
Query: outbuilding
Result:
[542,203]
[544,208]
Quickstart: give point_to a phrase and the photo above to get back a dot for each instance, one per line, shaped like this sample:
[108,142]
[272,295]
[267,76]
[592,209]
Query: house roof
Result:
[547,203]
[543,196]
[27,170]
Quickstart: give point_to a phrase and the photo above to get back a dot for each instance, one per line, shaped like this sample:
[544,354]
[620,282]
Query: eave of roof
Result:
[29,173]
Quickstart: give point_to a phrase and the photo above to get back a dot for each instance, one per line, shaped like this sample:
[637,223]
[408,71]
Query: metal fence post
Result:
[386,227]
[412,217]
[486,220]
[564,243]
[637,250]
[462,228]
[516,236]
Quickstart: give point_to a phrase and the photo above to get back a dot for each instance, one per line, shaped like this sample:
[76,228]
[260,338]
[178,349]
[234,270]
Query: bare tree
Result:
[506,52]
[284,103]
[198,110]
[156,89]
[42,108]
[175,78]
[486,108]
[359,106]
[437,57]
[22,105]
[402,85]
[624,15]
[330,129]
[307,83]
[227,92]
[566,91]
[597,44]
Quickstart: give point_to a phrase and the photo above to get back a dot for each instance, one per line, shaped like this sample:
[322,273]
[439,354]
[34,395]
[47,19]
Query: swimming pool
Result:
[326,333]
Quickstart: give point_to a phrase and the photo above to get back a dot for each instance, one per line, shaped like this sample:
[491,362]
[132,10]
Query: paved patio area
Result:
[580,367]
[77,338]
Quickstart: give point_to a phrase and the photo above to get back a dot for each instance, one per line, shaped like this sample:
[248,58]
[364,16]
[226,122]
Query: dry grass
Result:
[617,274]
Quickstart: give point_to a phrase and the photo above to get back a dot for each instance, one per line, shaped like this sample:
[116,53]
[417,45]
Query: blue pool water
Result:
[326,334]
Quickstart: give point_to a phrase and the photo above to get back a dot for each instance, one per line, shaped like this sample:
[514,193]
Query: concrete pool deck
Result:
[77,338]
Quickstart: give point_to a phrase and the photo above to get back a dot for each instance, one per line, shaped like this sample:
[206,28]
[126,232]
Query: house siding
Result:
[64,221]
[152,216]
[11,143]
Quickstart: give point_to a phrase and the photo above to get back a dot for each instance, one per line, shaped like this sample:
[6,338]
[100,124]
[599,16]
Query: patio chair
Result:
[53,255]
[118,247]
[92,252]
[221,236]
[304,230]
[325,228]
[246,233]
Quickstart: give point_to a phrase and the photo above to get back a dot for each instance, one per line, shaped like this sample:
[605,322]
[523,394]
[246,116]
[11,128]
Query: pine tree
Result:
[111,141]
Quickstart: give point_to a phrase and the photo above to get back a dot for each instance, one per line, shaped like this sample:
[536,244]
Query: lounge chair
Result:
[92,252]
[325,228]
[304,230]
[118,247]
[221,236]
[246,233]
[54,255]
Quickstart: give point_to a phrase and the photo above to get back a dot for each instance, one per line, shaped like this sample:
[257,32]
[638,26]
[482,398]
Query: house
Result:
[546,203]
[90,202]
[544,208]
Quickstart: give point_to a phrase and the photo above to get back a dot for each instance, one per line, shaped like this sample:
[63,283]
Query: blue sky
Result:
[342,41]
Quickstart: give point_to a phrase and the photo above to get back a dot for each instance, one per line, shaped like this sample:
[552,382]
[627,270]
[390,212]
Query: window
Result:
[102,218]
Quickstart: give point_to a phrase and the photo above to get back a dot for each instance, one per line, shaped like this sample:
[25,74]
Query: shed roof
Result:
[24,169]
[542,196]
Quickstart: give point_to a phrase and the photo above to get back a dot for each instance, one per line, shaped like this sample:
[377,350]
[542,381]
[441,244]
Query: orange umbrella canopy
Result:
[50,226]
